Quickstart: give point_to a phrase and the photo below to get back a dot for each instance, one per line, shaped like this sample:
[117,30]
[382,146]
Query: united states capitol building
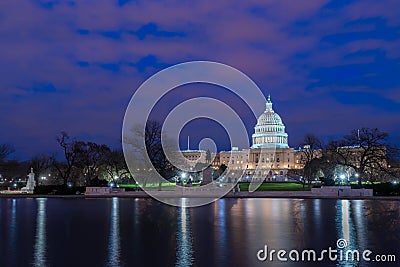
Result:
[269,158]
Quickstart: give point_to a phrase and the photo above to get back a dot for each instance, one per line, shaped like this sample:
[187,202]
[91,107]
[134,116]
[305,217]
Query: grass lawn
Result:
[275,187]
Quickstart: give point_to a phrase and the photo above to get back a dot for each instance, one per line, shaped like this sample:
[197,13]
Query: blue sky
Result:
[330,66]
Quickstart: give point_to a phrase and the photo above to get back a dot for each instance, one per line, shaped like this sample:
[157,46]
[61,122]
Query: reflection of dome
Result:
[270,130]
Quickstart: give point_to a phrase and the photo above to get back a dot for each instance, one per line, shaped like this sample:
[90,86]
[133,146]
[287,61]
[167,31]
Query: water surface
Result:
[230,232]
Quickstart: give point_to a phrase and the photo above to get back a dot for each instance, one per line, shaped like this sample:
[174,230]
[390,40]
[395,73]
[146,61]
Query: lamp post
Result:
[343,178]
[183,176]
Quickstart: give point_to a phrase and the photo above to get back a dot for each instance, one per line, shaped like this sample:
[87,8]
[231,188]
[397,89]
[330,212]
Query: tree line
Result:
[81,163]
[364,155]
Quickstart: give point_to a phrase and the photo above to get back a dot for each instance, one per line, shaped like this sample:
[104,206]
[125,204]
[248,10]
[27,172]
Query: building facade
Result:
[268,159]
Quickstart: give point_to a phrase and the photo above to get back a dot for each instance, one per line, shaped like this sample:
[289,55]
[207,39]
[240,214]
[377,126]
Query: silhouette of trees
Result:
[311,149]
[365,151]
[89,159]
[221,170]
[70,150]
[115,166]
[5,151]
[40,164]
[363,154]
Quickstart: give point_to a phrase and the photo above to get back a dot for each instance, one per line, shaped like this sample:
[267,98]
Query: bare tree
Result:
[5,151]
[90,157]
[40,163]
[311,149]
[363,150]
[155,150]
[12,169]
[115,165]
[327,167]
[70,152]
[152,149]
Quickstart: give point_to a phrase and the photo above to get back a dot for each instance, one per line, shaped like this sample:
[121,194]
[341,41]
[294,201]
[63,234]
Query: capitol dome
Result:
[270,130]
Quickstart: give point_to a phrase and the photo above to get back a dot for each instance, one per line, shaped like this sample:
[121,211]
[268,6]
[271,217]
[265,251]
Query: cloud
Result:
[308,54]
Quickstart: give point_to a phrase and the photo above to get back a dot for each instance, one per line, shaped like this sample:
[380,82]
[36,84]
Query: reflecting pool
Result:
[229,232]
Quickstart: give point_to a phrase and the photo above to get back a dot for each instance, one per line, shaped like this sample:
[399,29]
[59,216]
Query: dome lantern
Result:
[269,104]
[270,130]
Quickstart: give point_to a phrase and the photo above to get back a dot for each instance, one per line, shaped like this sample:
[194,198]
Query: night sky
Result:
[330,66]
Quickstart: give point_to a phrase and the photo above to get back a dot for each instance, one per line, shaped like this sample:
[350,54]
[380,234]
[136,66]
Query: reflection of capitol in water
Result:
[40,237]
[228,232]
[269,157]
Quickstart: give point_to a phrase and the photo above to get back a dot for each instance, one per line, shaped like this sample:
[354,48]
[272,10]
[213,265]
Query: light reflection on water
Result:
[220,228]
[40,236]
[184,250]
[114,237]
[12,245]
[360,224]
[350,227]
[228,232]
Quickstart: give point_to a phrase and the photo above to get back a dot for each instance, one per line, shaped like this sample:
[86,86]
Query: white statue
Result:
[30,184]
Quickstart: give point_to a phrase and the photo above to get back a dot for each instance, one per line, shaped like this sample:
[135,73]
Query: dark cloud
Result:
[111,34]
[380,31]
[42,88]
[124,2]
[149,61]
[83,63]
[368,99]
[115,67]
[379,74]
[329,65]
[152,29]
[83,31]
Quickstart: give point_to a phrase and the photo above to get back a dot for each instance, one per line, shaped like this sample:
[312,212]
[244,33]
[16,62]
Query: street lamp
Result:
[343,178]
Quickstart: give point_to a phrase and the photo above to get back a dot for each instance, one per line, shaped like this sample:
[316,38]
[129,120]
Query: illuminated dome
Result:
[270,130]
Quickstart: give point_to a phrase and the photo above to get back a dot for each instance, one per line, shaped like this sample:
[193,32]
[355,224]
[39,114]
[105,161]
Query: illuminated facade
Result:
[270,130]
[269,158]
